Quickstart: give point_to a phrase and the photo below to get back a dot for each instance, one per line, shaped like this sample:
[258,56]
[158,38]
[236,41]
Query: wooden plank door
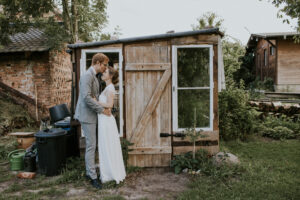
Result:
[148,103]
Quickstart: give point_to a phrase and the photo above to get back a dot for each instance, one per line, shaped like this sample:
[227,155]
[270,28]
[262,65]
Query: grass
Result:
[14,117]
[271,171]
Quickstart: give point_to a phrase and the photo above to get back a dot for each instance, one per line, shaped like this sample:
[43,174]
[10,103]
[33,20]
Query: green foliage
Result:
[267,84]
[125,150]
[7,144]
[62,21]
[269,170]
[204,164]
[74,171]
[281,127]
[13,116]
[92,18]
[236,117]
[290,8]
[186,160]
[246,72]
[112,36]
[208,20]
[232,54]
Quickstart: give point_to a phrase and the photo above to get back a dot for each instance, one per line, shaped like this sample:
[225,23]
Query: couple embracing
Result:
[93,110]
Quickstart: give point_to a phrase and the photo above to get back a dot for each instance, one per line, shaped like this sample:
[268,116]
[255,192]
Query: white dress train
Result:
[109,146]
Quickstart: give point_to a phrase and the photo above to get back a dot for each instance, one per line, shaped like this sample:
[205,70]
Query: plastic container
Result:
[72,147]
[64,124]
[59,112]
[51,151]
[30,162]
[16,159]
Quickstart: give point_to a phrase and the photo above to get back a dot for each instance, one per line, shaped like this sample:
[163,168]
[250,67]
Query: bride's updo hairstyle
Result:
[114,75]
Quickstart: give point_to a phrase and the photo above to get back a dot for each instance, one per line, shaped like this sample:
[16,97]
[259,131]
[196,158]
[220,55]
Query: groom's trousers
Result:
[90,148]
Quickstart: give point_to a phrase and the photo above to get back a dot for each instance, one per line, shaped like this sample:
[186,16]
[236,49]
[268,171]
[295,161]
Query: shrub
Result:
[186,160]
[204,163]
[267,84]
[236,117]
[281,127]
[125,150]
[7,144]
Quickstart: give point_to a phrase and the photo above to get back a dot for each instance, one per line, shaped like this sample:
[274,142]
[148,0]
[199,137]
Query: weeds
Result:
[205,165]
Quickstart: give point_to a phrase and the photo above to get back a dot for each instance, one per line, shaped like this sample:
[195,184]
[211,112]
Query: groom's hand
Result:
[107,111]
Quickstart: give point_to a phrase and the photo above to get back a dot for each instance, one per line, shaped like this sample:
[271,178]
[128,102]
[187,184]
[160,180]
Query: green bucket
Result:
[16,159]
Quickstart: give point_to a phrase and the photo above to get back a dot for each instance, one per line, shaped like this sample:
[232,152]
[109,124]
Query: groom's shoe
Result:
[88,177]
[95,183]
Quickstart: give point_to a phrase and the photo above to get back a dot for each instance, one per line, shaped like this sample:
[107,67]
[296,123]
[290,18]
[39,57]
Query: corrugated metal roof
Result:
[150,37]
[32,40]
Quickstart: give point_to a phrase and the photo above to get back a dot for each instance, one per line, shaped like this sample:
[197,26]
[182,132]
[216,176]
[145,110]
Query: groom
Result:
[87,110]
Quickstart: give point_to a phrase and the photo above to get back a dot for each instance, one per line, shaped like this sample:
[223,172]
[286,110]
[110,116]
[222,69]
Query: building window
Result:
[265,57]
[272,51]
[192,87]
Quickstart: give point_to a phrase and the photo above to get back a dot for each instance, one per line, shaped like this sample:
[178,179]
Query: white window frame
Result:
[175,86]
[83,70]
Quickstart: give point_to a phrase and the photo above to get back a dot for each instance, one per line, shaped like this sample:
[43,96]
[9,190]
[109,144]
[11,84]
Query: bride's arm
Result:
[110,100]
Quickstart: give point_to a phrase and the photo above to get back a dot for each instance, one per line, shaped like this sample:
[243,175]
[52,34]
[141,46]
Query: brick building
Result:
[30,67]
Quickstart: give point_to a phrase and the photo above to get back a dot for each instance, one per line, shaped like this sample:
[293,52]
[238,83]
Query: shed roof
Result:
[32,40]
[150,37]
[252,40]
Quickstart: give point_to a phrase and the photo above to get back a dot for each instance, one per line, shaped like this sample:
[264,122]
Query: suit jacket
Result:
[87,108]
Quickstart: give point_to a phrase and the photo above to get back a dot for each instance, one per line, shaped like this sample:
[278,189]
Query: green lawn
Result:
[269,170]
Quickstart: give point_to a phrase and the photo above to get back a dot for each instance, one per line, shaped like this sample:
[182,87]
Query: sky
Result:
[150,17]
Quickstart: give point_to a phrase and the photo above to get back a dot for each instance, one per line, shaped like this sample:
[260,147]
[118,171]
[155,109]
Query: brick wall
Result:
[61,78]
[50,72]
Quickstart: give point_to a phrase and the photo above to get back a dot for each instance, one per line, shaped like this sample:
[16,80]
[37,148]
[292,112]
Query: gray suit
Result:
[87,110]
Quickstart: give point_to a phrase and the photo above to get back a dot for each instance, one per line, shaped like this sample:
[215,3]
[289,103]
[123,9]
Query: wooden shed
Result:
[163,78]
[277,57]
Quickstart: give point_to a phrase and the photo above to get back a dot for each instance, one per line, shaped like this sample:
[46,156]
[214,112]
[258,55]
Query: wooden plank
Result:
[150,160]
[148,132]
[150,150]
[215,89]
[211,136]
[147,67]
[196,39]
[210,149]
[139,105]
[156,116]
[150,107]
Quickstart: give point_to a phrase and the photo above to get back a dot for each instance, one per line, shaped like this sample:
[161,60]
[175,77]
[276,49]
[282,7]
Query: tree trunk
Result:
[66,16]
[74,21]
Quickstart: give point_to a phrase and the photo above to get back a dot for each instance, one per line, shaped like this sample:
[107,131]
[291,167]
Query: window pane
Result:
[193,67]
[188,100]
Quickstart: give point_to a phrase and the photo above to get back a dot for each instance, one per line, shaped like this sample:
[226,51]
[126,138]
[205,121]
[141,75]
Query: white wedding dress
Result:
[109,147]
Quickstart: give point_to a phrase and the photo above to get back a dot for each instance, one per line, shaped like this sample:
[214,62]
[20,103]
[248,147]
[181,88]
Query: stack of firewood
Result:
[277,108]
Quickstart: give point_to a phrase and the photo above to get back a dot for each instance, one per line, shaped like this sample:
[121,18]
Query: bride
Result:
[109,147]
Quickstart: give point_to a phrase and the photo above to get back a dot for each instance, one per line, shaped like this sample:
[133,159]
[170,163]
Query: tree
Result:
[60,20]
[112,36]
[289,7]
[208,20]
[232,51]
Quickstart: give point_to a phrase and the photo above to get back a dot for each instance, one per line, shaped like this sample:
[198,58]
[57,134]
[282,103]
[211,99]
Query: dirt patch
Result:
[153,183]
[148,183]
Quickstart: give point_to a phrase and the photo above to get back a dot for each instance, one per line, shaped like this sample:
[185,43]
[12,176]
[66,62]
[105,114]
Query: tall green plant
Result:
[193,134]
[236,117]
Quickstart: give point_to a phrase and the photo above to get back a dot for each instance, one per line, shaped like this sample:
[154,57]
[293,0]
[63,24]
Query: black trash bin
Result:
[51,151]
[72,146]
